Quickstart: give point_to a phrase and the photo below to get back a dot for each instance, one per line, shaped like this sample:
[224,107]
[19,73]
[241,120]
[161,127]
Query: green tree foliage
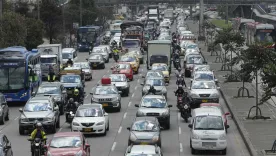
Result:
[51,15]
[34,33]
[13,29]
[22,8]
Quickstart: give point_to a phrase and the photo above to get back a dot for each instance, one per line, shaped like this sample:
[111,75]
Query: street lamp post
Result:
[80,12]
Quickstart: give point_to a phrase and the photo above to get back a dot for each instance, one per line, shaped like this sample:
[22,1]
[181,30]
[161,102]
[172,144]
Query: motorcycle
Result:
[185,111]
[180,80]
[105,41]
[177,63]
[116,57]
[69,116]
[36,148]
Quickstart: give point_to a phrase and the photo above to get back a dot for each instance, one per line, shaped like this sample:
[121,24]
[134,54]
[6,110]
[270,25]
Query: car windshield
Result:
[67,56]
[159,67]
[37,106]
[127,59]
[122,66]
[153,102]
[117,78]
[95,57]
[202,68]
[155,82]
[104,90]
[49,60]
[98,51]
[66,142]
[194,60]
[192,46]
[81,65]
[153,74]
[208,123]
[203,85]
[12,78]
[204,76]
[48,90]
[144,125]
[89,112]
[70,79]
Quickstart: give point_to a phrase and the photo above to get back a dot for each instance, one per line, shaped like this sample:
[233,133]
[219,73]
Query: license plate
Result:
[9,99]
[144,143]
[94,65]
[87,129]
[204,100]
[105,105]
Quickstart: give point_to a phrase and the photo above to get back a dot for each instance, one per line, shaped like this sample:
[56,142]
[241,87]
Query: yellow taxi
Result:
[133,61]
[164,68]
[137,54]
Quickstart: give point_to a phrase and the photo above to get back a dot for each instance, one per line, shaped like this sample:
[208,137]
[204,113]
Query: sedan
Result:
[158,84]
[133,61]
[90,119]
[204,76]
[204,91]
[145,130]
[200,67]
[85,68]
[108,49]
[102,51]
[123,68]
[153,74]
[68,143]
[156,106]
[120,81]
[162,67]
[143,150]
[96,61]
[190,61]
[138,54]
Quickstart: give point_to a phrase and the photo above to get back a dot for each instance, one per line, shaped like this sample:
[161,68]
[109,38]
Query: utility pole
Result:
[227,14]
[201,18]
[38,9]
[63,20]
[80,12]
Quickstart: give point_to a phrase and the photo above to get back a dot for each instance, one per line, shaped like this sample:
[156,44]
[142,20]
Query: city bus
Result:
[20,73]
[88,37]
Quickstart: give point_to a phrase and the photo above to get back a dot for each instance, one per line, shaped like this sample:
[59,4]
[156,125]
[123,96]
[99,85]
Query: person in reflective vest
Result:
[51,75]
[76,95]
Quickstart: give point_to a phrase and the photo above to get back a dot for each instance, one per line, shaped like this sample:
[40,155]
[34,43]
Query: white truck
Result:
[50,57]
[153,12]
[159,51]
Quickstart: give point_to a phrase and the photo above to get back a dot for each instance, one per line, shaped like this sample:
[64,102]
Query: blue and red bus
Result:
[20,73]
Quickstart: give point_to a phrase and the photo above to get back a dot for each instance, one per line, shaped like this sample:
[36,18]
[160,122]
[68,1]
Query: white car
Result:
[90,119]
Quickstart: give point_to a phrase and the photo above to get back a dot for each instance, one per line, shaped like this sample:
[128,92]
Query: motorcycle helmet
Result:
[39,125]
[76,92]
[174,41]
[71,100]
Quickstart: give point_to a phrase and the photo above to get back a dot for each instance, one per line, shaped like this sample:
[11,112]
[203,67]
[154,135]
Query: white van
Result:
[69,53]
[208,131]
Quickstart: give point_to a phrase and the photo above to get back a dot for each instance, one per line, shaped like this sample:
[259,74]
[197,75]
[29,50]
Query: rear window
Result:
[158,59]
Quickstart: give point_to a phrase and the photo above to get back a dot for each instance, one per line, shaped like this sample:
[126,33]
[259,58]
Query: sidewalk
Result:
[258,135]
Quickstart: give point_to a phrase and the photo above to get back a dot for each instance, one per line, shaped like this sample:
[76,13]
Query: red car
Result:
[68,143]
[219,107]
[123,68]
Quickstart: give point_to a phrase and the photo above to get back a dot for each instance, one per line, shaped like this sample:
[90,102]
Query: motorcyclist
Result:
[114,43]
[180,91]
[152,90]
[38,133]
[51,75]
[71,105]
[180,79]
[77,95]
[70,62]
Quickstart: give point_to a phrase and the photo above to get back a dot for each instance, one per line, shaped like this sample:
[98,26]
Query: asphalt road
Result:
[175,142]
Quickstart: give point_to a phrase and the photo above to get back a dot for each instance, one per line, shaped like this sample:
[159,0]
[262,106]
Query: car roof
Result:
[54,84]
[68,50]
[85,106]
[65,134]
[155,78]
[147,149]
[117,75]
[159,64]
[207,111]
[38,98]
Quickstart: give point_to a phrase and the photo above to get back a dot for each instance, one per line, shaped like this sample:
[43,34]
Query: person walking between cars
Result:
[51,75]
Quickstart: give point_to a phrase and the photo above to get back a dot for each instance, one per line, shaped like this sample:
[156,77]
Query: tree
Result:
[51,15]
[258,60]
[231,42]
[22,8]
[34,33]
[13,29]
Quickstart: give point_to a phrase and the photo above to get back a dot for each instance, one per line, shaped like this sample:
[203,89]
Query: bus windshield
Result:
[86,33]
[264,35]
[12,78]
[49,60]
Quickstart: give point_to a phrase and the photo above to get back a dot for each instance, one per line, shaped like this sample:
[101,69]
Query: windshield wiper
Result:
[153,107]
[54,147]
[201,128]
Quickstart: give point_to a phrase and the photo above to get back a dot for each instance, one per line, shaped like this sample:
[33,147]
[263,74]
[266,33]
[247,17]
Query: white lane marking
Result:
[86,96]
[138,80]
[179,129]
[135,87]
[120,129]
[16,118]
[181,147]
[125,115]
[129,104]
[132,95]
[60,129]
[113,146]
[178,116]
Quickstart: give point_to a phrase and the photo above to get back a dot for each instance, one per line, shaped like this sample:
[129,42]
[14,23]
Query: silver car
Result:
[204,76]
[190,61]
[203,92]
[156,106]
[158,84]
[143,150]
[153,74]
[200,67]
[85,67]
[108,49]
[120,81]
[107,95]
[103,51]
[39,109]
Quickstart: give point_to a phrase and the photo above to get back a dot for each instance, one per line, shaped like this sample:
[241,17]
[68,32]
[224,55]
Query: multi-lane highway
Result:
[175,142]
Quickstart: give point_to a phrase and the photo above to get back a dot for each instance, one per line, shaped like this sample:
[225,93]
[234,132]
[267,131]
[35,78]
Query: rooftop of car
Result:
[207,111]
[54,84]
[66,134]
[147,149]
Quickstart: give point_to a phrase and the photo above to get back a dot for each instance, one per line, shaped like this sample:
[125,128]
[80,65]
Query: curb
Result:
[240,127]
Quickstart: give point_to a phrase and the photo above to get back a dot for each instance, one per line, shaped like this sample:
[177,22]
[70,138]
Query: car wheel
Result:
[223,152]
[7,117]
[108,126]
[119,108]
[103,66]
[2,120]
[104,134]
[90,78]
[193,151]
[168,125]
[159,143]
[21,131]
[62,109]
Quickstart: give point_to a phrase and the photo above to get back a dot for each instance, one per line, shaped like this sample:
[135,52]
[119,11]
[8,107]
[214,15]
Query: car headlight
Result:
[222,137]
[94,99]
[194,136]
[133,138]
[165,113]
[139,113]
[116,99]
[79,153]
[214,95]
[49,119]
[102,62]
[24,94]
[75,124]
[100,123]
[24,120]
[49,154]
[155,138]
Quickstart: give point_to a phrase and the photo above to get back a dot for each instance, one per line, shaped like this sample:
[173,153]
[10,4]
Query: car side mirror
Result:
[33,93]
[128,128]
[87,146]
[218,87]
[120,92]
[136,105]
[56,108]
[227,113]
[190,125]
[204,62]
[20,110]
[64,92]
[169,106]
[227,126]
